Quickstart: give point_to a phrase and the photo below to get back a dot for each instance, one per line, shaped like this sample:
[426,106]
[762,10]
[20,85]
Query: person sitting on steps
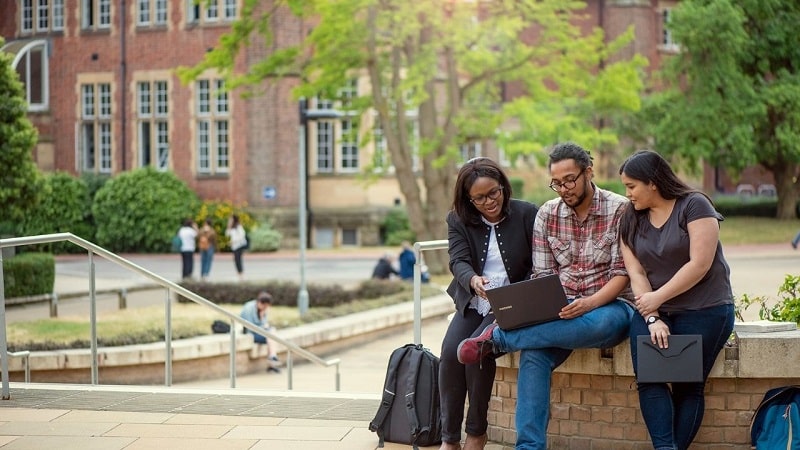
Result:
[256,311]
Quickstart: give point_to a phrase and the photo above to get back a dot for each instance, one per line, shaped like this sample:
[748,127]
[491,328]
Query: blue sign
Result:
[270,192]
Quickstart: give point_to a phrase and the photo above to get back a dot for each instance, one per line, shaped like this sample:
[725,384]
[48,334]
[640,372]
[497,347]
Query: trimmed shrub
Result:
[264,238]
[63,207]
[285,293]
[29,274]
[141,210]
[755,206]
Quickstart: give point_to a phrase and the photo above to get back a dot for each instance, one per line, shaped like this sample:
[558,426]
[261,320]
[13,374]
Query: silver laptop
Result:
[528,302]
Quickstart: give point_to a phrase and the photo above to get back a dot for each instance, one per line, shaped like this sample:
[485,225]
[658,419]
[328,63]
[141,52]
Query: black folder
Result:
[681,362]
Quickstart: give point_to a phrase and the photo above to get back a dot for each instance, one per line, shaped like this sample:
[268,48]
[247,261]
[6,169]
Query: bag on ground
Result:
[219,327]
[776,421]
[409,412]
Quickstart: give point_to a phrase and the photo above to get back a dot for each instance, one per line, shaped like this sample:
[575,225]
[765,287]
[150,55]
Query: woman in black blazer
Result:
[489,243]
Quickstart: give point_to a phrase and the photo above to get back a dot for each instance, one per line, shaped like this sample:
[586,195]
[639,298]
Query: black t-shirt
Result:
[663,251]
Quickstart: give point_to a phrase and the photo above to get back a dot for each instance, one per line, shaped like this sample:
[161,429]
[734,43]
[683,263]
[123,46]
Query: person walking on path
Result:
[238,238]
[188,233]
[681,280]
[207,244]
[489,243]
[256,311]
[574,236]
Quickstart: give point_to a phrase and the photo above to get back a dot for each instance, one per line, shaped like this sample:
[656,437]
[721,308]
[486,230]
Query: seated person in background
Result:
[407,261]
[255,312]
[384,269]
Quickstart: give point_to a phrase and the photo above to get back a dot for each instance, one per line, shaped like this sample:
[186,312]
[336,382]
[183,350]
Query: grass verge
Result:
[126,327]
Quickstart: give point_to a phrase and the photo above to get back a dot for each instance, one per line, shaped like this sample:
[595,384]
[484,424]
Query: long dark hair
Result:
[648,167]
[472,170]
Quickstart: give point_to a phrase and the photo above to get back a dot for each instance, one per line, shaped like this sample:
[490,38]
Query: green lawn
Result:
[757,230]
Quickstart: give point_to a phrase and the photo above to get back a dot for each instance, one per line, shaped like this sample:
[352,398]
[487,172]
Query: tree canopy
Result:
[733,91]
[19,177]
[436,71]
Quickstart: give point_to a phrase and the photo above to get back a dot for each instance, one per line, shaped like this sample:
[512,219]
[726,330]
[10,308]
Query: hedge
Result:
[29,274]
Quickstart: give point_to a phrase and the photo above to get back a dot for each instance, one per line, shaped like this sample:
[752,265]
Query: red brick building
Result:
[103,93]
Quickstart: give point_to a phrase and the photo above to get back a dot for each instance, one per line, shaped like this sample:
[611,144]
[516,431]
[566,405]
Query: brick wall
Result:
[598,411]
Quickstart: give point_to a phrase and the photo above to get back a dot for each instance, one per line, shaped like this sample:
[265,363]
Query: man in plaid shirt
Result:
[574,236]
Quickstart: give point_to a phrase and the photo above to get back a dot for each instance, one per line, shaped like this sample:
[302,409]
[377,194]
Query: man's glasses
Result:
[494,194]
[566,184]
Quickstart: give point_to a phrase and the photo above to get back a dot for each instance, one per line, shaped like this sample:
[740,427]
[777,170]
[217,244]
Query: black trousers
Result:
[457,381]
[237,260]
[187,258]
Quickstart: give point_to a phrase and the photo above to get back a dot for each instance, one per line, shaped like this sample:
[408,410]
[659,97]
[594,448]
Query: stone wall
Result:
[594,403]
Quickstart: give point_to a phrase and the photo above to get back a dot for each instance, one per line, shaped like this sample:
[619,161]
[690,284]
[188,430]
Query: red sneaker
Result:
[473,350]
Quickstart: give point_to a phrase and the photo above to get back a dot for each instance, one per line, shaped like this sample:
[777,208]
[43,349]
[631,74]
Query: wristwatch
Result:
[653,319]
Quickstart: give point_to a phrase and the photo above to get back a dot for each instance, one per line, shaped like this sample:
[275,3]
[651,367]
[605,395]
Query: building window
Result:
[151,12]
[213,127]
[667,43]
[211,11]
[337,146]
[470,150]
[153,128]
[349,236]
[32,66]
[95,128]
[41,15]
[349,146]
[95,14]
[380,156]
[325,144]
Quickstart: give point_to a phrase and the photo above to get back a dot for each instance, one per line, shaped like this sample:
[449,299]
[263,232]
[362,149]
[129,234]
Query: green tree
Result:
[19,177]
[140,210]
[435,71]
[733,91]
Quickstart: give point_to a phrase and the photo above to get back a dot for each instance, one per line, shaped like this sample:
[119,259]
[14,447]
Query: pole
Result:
[302,294]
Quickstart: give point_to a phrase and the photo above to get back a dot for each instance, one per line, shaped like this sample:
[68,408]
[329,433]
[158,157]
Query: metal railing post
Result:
[168,340]
[232,372]
[3,338]
[93,319]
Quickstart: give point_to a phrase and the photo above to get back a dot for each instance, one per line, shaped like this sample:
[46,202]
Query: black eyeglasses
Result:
[494,194]
[566,184]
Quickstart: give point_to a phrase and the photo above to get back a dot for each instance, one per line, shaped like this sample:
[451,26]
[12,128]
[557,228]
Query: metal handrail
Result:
[167,284]
[419,247]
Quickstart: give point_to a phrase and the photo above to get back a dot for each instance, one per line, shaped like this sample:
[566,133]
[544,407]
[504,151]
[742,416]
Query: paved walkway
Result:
[260,413]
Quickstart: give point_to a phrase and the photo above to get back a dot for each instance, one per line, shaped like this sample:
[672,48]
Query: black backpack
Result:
[776,421]
[412,377]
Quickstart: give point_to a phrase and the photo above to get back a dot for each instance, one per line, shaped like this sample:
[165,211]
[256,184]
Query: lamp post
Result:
[302,206]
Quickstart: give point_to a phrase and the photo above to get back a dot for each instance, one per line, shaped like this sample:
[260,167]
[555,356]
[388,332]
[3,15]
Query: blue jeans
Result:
[544,347]
[673,416]
[206,257]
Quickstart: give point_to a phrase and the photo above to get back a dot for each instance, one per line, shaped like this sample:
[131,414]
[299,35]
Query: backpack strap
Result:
[389,390]
[414,363]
